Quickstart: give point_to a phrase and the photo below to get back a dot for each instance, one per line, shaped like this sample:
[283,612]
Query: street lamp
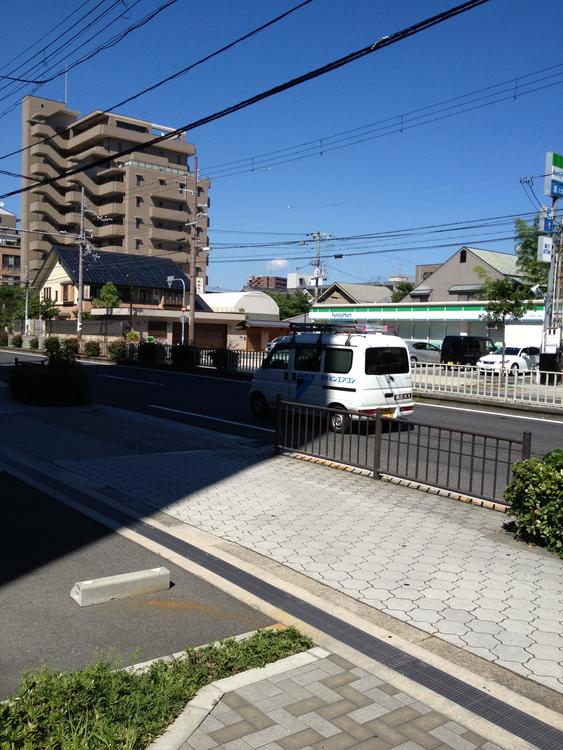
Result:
[171,280]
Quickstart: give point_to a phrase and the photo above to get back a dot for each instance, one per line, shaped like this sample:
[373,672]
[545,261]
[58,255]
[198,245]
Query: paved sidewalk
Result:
[330,704]
[445,567]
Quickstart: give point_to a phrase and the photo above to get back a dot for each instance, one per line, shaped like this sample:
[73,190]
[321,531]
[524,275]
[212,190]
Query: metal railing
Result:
[227,360]
[469,463]
[533,387]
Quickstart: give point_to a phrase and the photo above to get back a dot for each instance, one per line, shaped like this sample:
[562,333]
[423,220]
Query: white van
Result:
[365,372]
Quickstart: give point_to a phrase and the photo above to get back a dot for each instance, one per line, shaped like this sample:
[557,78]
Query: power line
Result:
[383,42]
[178,73]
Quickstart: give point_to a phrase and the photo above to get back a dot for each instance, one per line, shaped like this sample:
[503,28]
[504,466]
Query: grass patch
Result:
[104,707]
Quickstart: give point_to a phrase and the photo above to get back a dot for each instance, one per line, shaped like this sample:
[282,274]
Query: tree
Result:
[109,297]
[401,290]
[292,304]
[44,309]
[506,300]
[533,270]
[12,304]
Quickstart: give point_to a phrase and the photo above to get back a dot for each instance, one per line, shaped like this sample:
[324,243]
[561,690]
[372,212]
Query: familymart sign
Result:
[553,174]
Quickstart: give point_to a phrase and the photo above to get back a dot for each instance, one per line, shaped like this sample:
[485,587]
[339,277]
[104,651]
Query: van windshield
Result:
[388,360]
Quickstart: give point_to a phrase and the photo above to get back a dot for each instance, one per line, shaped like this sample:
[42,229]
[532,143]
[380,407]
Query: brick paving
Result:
[443,566]
[330,704]
[440,565]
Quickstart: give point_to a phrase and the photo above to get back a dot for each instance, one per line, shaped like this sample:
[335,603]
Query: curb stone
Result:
[201,705]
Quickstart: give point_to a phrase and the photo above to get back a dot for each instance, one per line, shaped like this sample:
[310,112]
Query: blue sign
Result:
[556,188]
[548,225]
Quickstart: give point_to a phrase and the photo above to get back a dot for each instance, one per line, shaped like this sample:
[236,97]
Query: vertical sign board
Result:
[545,247]
[553,174]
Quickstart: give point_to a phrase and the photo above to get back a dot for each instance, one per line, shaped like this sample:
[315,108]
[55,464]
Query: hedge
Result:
[53,385]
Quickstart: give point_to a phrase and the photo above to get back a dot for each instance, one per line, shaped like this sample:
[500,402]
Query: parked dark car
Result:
[465,350]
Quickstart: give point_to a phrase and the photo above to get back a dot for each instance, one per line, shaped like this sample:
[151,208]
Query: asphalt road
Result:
[45,547]
[222,404]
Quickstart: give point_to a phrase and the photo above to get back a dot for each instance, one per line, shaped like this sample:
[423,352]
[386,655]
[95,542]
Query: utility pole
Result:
[193,260]
[318,272]
[81,243]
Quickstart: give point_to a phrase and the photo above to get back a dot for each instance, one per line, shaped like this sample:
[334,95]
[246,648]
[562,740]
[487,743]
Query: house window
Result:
[162,182]
[64,292]
[138,244]
[138,201]
[47,293]
[138,223]
[139,180]
[463,256]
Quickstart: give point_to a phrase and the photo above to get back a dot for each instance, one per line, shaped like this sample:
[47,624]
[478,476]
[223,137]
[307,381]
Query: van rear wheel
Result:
[339,421]
[258,405]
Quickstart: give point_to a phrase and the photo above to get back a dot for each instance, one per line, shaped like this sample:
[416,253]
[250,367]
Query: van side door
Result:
[304,374]
[274,374]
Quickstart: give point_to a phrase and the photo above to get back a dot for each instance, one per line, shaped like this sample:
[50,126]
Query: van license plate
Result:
[388,413]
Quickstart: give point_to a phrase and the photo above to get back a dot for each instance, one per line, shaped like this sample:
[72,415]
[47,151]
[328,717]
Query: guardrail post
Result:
[377,447]
[526,445]
[278,424]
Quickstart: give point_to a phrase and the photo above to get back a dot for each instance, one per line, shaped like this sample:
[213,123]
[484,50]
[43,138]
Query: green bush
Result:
[147,353]
[34,343]
[100,707]
[184,355]
[117,350]
[535,495]
[16,341]
[55,385]
[132,337]
[92,349]
[60,355]
[225,359]
[3,339]
[71,346]
[554,458]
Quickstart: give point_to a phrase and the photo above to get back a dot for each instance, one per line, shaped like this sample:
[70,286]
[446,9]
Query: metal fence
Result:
[227,360]
[534,387]
[470,463]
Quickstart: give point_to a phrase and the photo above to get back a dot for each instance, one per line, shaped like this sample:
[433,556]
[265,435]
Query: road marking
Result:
[213,419]
[130,380]
[492,413]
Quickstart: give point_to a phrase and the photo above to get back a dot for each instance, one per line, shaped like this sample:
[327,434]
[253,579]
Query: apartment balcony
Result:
[171,191]
[99,132]
[112,169]
[111,209]
[95,152]
[50,191]
[109,230]
[168,214]
[159,234]
[41,169]
[47,151]
[39,246]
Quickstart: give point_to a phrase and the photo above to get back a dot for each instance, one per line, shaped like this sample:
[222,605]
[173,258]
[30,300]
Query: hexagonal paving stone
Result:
[458,615]
[480,640]
[512,653]
[549,639]
[484,626]
[508,638]
[402,605]
[425,615]
[451,627]
[541,651]
[492,615]
[546,668]
[517,626]
[547,625]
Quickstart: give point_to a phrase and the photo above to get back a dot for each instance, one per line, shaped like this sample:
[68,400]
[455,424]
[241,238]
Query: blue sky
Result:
[463,167]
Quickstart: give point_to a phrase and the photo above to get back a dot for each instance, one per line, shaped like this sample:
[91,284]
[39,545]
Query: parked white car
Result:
[516,359]
[422,351]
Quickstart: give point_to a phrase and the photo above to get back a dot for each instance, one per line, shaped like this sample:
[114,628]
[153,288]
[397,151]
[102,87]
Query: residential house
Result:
[10,251]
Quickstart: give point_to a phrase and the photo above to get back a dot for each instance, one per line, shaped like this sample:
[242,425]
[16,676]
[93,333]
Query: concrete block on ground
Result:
[106,589]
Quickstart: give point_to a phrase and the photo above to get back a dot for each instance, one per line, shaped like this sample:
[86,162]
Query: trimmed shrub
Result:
[132,337]
[92,349]
[225,359]
[184,355]
[535,495]
[3,339]
[116,350]
[53,385]
[16,341]
[71,345]
[554,458]
[59,354]
[34,343]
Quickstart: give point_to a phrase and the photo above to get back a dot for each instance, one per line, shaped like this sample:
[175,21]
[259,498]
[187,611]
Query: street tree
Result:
[533,271]
[109,297]
[292,304]
[402,289]
[506,300]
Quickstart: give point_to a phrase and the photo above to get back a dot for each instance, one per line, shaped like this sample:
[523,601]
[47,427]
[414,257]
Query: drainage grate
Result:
[478,702]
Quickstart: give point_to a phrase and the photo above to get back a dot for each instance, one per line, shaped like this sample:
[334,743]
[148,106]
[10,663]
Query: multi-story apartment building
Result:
[141,203]
[267,282]
[10,267]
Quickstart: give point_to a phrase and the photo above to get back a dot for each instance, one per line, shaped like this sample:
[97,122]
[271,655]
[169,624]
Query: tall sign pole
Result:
[193,261]
[554,189]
